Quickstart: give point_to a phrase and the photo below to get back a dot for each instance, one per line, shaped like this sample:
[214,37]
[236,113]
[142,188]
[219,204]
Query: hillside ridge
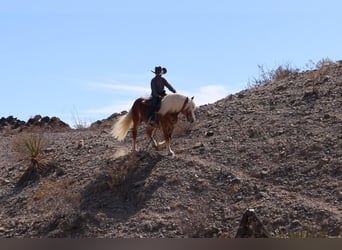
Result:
[275,148]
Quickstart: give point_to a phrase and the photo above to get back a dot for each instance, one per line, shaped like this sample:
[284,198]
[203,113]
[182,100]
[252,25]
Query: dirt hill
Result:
[275,148]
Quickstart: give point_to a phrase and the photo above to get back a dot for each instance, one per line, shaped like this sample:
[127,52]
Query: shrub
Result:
[30,149]
[267,76]
[78,123]
[56,197]
[324,62]
[117,176]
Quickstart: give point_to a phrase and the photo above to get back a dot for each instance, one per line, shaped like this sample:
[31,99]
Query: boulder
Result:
[251,226]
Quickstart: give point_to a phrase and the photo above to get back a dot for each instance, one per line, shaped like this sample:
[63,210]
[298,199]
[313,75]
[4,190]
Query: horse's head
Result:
[189,109]
[177,103]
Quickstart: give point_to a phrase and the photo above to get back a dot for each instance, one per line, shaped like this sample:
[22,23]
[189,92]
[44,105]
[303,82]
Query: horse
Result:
[167,116]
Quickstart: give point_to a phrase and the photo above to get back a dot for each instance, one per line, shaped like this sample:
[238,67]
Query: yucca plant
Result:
[29,148]
[34,146]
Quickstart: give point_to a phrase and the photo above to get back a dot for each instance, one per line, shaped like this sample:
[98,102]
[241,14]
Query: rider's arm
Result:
[169,86]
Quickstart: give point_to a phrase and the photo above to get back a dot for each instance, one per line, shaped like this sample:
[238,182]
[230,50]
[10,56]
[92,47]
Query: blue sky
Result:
[84,60]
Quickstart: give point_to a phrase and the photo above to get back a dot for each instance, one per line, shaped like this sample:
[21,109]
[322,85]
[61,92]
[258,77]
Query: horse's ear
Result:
[192,98]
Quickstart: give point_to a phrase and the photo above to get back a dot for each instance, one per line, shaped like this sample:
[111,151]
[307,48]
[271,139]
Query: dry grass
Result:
[117,176]
[54,197]
[301,234]
[317,72]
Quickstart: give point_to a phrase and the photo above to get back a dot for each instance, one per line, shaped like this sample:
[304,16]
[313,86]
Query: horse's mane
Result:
[173,103]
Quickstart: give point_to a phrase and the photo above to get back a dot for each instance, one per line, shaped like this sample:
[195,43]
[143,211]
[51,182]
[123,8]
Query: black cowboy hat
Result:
[159,70]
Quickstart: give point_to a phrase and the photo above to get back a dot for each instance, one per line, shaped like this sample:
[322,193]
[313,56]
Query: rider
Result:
[157,86]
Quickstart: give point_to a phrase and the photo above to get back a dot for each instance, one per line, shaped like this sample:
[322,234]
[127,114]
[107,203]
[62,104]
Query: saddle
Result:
[148,102]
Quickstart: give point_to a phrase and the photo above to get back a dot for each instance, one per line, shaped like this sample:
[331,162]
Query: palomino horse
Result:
[167,117]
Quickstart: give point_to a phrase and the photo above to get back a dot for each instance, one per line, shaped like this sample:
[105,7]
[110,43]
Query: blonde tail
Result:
[121,127]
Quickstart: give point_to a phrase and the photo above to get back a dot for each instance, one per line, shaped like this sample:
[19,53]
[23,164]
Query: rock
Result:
[209,133]
[80,144]
[11,123]
[295,224]
[198,145]
[251,226]
[339,195]
[235,181]
[264,173]
[5,180]
[34,121]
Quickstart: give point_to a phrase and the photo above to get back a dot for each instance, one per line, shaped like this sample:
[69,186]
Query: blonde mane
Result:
[173,103]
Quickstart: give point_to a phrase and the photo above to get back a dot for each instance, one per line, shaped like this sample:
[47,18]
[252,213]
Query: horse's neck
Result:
[172,104]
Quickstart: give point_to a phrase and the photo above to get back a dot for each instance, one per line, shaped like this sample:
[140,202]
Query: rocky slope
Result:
[275,148]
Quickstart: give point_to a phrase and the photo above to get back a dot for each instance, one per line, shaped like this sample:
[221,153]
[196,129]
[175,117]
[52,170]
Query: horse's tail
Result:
[121,127]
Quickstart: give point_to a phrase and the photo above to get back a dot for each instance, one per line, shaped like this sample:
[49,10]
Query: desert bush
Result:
[78,123]
[30,147]
[324,62]
[30,150]
[55,197]
[117,176]
[267,76]
[323,66]
[318,72]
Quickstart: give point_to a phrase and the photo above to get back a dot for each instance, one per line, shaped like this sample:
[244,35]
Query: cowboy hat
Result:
[159,70]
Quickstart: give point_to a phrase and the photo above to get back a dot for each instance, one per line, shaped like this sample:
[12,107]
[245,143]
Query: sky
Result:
[84,60]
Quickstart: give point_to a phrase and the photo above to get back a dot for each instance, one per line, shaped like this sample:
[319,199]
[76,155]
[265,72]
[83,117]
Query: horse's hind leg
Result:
[170,150]
[150,130]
